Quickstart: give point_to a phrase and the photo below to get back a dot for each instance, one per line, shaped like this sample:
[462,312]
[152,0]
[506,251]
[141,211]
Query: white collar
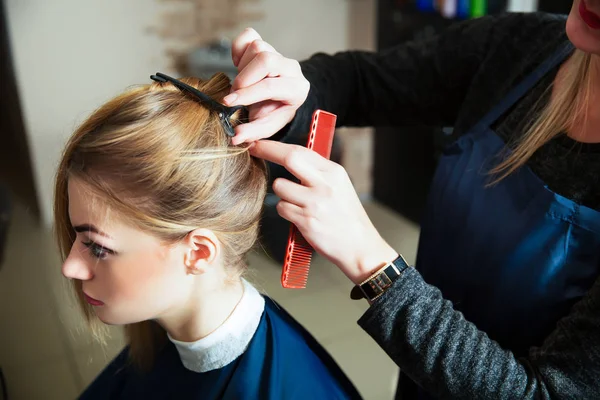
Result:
[230,340]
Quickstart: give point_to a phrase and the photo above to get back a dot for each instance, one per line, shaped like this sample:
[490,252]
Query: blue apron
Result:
[513,257]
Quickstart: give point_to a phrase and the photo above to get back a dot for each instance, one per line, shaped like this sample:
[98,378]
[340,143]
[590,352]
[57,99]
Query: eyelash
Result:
[98,251]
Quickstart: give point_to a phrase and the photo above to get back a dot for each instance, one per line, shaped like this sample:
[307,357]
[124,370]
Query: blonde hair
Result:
[162,160]
[566,109]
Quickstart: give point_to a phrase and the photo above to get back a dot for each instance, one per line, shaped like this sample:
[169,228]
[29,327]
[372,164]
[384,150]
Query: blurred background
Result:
[60,59]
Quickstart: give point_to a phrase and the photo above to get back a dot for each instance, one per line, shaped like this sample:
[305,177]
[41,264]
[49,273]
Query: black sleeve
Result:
[416,83]
[450,358]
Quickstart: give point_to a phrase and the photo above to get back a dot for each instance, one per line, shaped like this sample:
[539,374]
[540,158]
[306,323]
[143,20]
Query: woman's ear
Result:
[202,250]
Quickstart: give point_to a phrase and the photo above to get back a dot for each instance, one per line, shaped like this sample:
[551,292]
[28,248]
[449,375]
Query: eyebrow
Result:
[90,228]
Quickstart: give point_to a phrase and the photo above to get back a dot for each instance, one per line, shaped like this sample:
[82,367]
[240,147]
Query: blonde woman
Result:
[504,301]
[155,211]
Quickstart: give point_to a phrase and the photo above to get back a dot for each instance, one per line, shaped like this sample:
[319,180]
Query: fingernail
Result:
[230,98]
[237,140]
[236,61]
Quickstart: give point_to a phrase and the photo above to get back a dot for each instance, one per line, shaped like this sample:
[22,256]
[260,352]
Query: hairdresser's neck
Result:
[587,130]
[213,301]
[591,131]
[596,71]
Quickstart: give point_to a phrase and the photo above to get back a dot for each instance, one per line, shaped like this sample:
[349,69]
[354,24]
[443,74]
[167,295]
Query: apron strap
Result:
[519,91]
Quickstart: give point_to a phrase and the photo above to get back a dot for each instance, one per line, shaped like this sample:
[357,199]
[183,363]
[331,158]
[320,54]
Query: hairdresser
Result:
[504,299]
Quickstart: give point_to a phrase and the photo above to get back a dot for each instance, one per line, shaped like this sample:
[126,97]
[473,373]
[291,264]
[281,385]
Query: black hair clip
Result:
[225,112]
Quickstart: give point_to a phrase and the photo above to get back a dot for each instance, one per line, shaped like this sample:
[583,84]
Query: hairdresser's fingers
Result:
[292,192]
[304,164]
[254,48]
[264,127]
[241,42]
[263,109]
[291,91]
[263,65]
[291,212]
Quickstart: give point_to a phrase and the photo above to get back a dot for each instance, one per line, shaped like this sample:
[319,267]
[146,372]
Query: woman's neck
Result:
[205,312]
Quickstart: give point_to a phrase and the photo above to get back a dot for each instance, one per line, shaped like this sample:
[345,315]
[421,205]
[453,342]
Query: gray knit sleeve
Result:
[450,358]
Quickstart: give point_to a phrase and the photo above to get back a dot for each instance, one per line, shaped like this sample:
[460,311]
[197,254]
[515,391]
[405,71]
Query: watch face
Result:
[377,284]
[380,282]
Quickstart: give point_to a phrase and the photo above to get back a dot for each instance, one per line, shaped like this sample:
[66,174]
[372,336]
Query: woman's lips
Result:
[590,18]
[92,301]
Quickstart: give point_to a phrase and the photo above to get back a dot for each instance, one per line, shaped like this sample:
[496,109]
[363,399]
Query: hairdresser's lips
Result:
[590,18]
[92,301]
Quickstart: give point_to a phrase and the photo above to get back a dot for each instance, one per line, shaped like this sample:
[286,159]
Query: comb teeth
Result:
[297,261]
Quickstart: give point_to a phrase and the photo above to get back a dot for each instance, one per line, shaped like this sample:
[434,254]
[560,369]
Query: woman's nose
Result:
[76,266]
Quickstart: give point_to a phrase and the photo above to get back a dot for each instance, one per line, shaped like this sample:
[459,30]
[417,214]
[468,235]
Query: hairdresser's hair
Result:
[162,161]
[567,108]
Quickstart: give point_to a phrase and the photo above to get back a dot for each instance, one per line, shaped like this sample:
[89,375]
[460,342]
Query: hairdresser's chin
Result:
[583,25]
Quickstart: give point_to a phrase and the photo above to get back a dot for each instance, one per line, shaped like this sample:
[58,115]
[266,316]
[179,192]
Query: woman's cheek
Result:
[128,277]
[142,276]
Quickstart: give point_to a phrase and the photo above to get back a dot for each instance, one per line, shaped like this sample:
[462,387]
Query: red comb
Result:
[299,252]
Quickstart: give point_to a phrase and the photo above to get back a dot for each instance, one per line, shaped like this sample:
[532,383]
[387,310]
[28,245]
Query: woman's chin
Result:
[109,319]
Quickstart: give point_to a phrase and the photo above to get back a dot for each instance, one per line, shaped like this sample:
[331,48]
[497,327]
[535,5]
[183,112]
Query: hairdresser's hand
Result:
[271,85]
[326,209]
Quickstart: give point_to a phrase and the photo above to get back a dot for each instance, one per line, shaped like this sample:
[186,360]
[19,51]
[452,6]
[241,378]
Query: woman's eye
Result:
[97,251]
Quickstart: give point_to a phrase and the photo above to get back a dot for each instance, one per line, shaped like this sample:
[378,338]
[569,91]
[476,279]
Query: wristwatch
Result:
[377,284]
